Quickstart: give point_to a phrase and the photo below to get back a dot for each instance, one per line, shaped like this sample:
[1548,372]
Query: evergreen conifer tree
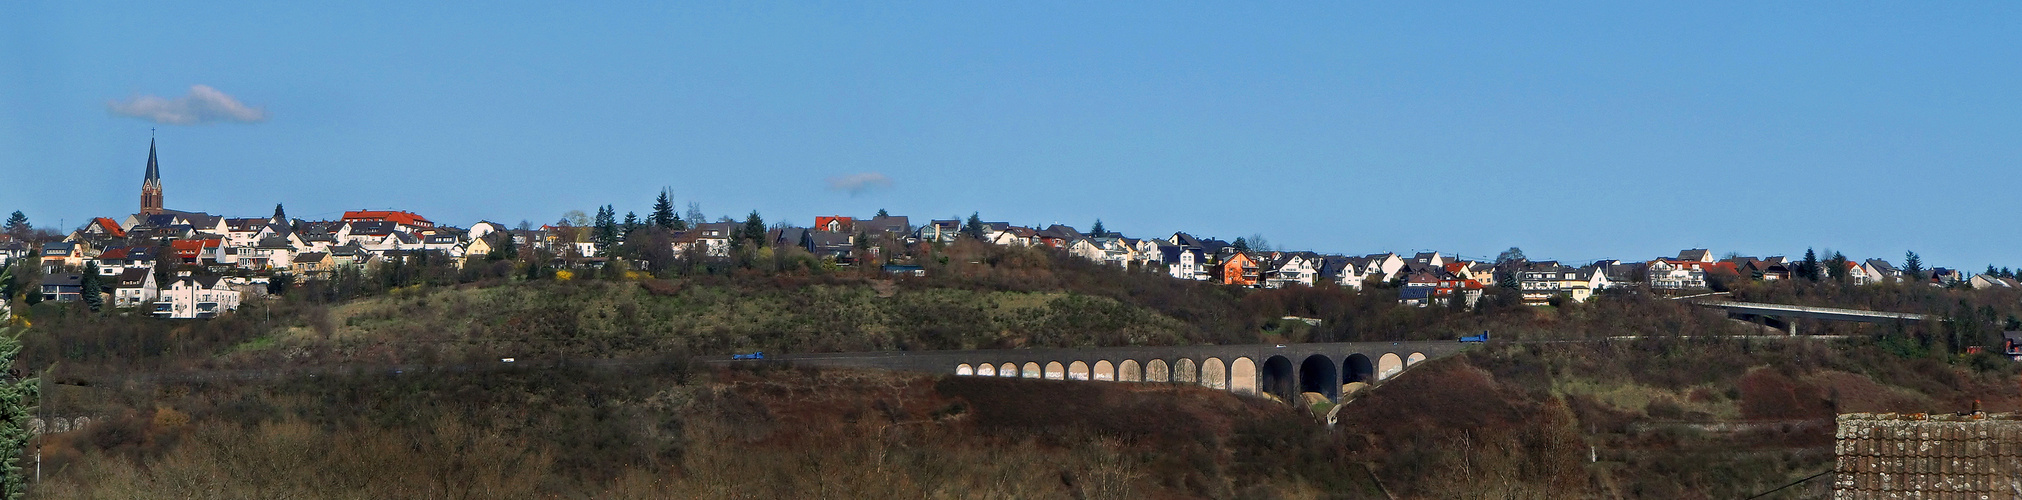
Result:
[1913,266]
[17,398]
[507,249]
[663,211]
[17,224]
[974,228]
[1098,230]
[754,228]
[606,228]
[1241,245]
[93,286]
[1836,267]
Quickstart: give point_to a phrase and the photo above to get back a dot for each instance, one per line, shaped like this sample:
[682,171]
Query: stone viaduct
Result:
[1283,371]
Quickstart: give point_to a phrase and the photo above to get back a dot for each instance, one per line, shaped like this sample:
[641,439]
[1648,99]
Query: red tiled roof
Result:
[110,227]
[821,222]
[190,248]
[397,216]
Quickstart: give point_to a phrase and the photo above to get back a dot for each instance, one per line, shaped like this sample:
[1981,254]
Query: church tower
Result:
[150,189]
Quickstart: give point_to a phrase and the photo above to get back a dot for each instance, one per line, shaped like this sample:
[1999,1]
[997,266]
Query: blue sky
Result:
[1574,130]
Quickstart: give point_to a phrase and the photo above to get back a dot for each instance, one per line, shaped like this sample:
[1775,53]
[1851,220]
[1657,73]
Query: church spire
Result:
[153,168]
[150,188]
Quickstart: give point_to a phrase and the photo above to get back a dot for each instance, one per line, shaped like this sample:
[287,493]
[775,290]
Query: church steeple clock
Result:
[150,189]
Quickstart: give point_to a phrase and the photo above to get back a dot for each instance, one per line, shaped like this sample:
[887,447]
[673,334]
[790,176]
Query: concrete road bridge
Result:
[1283,371]
[1785,313]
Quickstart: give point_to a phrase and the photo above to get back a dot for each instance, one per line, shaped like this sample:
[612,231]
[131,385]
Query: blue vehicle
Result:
[1475,339]
[753,355]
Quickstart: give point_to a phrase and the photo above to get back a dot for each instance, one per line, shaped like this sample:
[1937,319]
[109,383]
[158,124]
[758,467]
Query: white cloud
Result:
[202,105]
[856,184]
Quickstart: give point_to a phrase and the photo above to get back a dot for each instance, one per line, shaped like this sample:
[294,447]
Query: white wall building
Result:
[189,297]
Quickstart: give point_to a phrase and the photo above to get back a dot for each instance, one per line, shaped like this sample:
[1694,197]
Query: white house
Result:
[1290,269]
[716,236]
[1348,272]
[448,242]
[1543,280]
[1676,275]
[1106,249]
[1429,258]
[1144,251]
[134,287]
[247,232]
[1184,263]
[1861,274]
[1883,270]
[11,251]
[1013,236]
[483,228]
[1385,265]
[1540,283]
[1983,282]
[277,252]
[189,297]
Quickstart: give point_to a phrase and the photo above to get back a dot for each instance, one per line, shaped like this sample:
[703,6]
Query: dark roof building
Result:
[895,224]
[62,287]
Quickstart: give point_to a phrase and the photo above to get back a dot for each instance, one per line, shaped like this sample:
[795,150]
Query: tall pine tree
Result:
[754,228]
[974,228]
[93,286]
[606,229]
[663,212]
[1913,266]
[1836,267]
[18,225]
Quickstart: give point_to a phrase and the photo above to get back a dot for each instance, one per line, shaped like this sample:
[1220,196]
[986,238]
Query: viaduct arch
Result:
[1284,372]
[1318,374]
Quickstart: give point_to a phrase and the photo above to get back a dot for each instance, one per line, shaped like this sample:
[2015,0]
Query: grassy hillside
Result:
[621,319]
[1639,397]
[672,433]
[1666,418]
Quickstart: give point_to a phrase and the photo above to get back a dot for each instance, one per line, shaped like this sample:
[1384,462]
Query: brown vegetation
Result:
[770,433]
[1671,407]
